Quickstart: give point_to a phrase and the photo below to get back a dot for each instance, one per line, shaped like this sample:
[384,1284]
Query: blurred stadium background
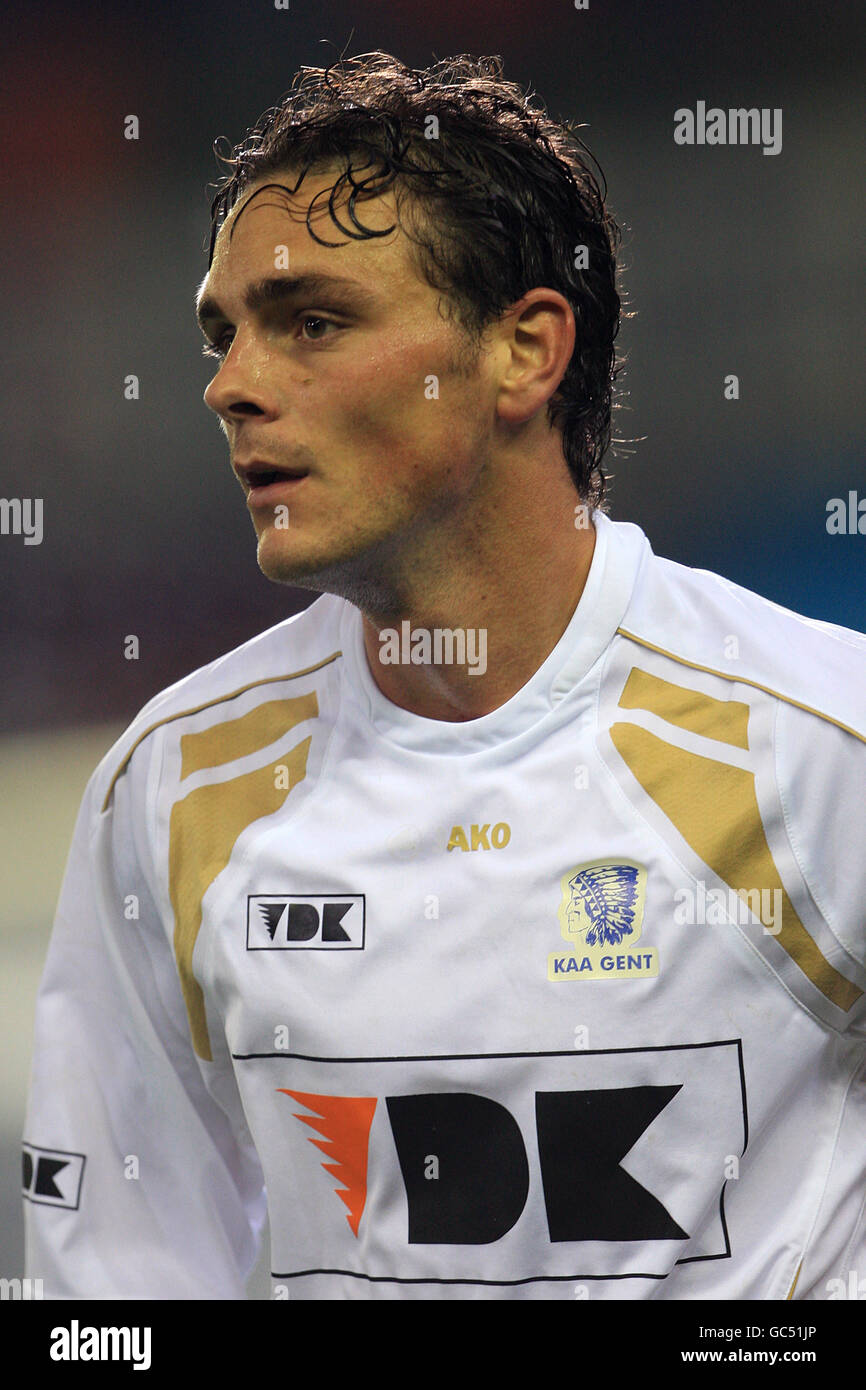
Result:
[735,262]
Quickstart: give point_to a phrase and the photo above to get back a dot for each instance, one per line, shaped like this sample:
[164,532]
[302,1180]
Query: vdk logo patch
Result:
[324,921]
[601,918]
[52,1177]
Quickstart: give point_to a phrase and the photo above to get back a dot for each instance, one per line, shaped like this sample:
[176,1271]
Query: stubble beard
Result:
[378,576]
[366,577]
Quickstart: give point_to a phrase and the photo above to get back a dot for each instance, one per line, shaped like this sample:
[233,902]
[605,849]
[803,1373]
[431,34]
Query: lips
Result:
[259,473]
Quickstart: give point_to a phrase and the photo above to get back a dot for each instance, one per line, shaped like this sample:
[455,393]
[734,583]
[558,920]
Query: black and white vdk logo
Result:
[323,922]
[52,1177]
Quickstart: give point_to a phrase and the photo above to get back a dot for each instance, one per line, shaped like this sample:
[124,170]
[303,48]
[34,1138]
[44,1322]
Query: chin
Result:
[293,565]
[288,569]
[356,574]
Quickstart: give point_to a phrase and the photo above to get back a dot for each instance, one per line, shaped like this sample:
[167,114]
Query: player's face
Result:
[359,385]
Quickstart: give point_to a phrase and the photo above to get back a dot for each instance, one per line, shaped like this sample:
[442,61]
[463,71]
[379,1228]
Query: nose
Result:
[240,387]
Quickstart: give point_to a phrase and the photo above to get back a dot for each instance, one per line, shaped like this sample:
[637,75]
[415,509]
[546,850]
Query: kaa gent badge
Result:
[601,917]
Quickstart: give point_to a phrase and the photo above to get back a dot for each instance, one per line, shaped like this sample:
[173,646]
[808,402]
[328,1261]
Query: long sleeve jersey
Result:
[563,1001]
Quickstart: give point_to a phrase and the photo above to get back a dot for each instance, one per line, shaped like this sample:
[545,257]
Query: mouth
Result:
[263,477]
[270,494]
[263,482]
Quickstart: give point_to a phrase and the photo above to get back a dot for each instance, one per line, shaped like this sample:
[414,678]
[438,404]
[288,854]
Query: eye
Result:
[218,348]
[319,322]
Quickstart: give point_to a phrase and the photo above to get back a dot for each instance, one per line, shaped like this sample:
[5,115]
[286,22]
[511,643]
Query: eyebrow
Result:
[276,289]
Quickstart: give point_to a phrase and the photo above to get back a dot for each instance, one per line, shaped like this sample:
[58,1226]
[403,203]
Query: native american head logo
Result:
[602,903]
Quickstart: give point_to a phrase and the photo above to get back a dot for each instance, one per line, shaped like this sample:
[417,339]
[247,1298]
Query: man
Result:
[500,916]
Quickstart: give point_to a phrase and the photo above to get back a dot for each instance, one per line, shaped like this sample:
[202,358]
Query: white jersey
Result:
[564,1001]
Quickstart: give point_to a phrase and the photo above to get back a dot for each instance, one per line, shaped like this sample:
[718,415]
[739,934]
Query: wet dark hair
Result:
[506,196]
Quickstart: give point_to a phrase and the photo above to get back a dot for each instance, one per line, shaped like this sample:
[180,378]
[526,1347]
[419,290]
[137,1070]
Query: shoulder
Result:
[739,729]
[700,622]
[279,672]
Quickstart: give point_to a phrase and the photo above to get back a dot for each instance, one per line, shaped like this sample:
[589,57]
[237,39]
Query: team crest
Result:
[601,919]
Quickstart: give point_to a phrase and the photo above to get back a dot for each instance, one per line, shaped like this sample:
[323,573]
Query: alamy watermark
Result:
[441,646]
[22,516]
[23,1290]
[846,518]
[718,907]
[736,126]
[854,1288]
[77,1343]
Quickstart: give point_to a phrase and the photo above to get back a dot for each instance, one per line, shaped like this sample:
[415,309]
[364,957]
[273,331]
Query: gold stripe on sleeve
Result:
[715,808]
[724,720]
[235,738]
[204,828]
[209,704]
[740,680]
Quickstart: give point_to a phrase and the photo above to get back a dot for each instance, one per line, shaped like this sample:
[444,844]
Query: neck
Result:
[483,617]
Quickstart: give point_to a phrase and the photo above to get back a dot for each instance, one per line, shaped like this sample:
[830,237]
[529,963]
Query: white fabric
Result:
[447,994]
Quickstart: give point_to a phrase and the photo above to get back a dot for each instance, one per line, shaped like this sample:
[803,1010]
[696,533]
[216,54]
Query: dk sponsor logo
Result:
[306,922]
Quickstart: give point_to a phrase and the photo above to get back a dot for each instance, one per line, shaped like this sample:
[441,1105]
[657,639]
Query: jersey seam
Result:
[820,1202]
[209,945]
[208,704]
[740,680]
[669,849]
[788,823]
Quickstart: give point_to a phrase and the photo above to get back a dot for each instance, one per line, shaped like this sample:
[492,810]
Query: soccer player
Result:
[497,922]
